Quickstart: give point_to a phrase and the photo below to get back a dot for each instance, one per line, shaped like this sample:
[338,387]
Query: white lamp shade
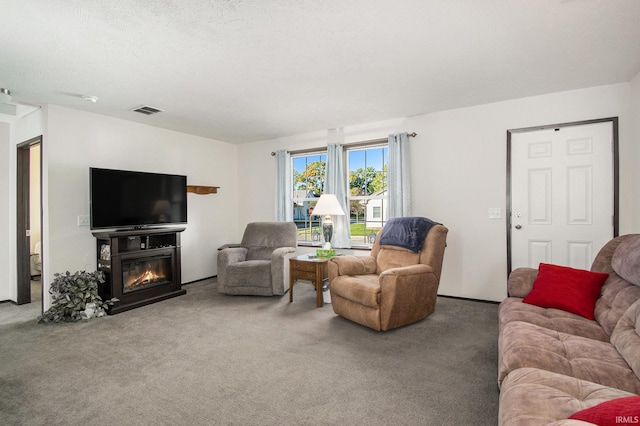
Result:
[328,205]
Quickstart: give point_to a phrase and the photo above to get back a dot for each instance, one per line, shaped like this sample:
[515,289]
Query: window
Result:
[366,168]
[308,183]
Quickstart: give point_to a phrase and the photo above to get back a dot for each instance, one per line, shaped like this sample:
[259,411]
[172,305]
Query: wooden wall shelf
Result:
[202,190]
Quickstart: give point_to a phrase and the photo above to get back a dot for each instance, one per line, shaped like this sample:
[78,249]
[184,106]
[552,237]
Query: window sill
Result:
[317,245]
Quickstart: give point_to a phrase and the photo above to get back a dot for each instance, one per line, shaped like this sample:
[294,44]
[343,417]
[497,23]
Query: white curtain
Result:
[399,177]
[284,187]
[335,184]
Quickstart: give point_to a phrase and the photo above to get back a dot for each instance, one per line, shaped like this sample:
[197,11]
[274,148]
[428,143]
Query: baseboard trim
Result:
[491,302]
[199,280]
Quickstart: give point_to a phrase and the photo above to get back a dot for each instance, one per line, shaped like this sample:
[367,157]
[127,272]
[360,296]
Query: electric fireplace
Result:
[140,266]
[146,272]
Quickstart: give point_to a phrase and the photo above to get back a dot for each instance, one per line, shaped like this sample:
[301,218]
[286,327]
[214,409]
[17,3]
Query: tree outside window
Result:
[367,193]
[308,184]
[367,168]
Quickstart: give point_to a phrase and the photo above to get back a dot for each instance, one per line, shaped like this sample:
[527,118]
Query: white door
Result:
[562,195]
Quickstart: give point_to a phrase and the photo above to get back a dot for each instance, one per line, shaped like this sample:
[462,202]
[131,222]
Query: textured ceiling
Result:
[248,70]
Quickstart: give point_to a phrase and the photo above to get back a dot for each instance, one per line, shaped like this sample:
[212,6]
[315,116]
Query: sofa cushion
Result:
[512,309]
[256,273]
[259,253]
[270,234]
[363,289]
[611,413]
[626,337]
[395,257]
[520,281]
[528,345]
[617,296]
[626,259]
[530,396]
[569,289]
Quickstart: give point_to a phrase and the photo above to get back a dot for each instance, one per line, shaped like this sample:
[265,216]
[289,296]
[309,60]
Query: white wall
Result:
[458,170]
[20,130]
[78,140]
[635,154]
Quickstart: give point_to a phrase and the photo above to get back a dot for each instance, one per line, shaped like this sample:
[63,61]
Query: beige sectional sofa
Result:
[553,363]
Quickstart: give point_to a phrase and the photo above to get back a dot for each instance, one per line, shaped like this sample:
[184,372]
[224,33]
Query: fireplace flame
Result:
[145,278]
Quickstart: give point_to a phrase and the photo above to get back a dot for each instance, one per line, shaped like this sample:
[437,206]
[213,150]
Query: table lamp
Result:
[327,206]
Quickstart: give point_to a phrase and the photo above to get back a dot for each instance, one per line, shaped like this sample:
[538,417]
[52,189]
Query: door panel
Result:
[562,194]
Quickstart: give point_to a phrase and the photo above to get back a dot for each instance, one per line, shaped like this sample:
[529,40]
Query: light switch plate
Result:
[495,213]
[83,220]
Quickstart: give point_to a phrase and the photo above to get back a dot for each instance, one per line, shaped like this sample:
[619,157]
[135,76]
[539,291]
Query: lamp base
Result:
[327,232]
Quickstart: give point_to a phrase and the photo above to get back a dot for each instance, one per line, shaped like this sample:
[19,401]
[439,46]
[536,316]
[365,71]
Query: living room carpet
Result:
[207,359]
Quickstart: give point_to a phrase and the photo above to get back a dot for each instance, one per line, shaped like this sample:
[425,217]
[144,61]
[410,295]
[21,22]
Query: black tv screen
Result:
[129,199]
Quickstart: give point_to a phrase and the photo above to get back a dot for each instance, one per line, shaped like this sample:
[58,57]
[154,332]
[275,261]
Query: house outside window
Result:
[308,183]
[367,169]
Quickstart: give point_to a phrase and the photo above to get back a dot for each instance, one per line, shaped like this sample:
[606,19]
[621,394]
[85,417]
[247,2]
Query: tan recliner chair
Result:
[392,287]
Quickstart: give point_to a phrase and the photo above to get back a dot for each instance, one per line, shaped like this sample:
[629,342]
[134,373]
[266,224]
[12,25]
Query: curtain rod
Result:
[302,151]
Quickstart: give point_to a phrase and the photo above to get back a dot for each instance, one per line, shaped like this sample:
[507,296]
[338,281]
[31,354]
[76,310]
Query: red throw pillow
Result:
[569,289]
[619,411]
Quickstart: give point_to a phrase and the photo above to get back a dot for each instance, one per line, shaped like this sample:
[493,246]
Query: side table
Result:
[313,269]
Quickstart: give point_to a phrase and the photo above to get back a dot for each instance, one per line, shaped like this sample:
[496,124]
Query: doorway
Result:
[29,222]
[562,192]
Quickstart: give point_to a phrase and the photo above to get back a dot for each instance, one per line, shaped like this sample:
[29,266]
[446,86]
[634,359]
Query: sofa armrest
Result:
[351,265]
[228,257]
[520,281]
[411,279]
[418,268]
[226,246]
[280,269]
[282,253]
[407,294]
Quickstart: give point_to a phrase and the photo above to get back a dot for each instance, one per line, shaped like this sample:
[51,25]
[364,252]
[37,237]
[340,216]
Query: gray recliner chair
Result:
[260,265]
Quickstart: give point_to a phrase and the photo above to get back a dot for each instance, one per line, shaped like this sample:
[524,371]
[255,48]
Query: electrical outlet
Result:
[495,213]
[83,220]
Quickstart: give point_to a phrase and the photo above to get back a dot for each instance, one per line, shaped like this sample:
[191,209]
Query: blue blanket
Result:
[406,232]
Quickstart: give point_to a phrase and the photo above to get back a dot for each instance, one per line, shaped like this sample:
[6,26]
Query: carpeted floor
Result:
[210,359]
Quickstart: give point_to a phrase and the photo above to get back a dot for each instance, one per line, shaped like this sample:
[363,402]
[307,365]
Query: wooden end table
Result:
[313,269]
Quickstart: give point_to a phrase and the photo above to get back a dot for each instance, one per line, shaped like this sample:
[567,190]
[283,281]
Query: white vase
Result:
[326,295]
[90,310]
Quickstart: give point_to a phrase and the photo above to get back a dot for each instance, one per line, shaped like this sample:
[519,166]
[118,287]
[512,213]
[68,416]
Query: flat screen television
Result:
[125,199]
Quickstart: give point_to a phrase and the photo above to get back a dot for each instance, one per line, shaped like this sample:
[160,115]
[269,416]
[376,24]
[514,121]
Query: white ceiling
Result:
[249,70]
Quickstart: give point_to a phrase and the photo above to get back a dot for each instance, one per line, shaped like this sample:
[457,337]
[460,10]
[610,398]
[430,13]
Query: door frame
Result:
[23,207]
[616,175]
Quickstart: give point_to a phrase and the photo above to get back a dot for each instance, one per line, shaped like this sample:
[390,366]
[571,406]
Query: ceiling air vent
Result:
[146,109]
